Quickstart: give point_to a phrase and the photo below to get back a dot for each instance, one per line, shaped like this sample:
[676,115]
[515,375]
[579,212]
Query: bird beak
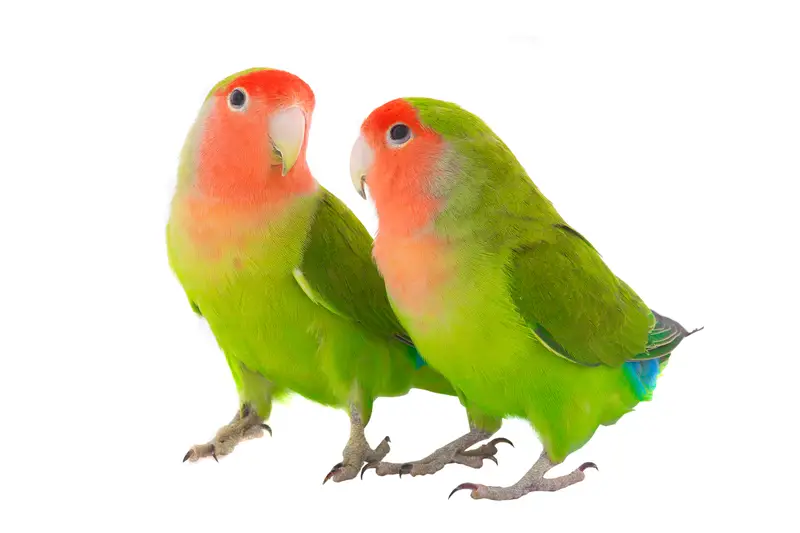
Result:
[287,130]
[360,160]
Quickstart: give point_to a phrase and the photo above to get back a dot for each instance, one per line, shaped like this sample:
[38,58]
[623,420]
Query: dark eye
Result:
[399,134]
[237,99]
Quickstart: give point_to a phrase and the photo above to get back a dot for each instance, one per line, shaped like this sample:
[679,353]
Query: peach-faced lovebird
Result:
[510,303]
[281,269]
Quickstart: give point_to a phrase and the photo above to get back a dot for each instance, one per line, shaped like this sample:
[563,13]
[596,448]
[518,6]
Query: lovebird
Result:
[510,303]
[281,270]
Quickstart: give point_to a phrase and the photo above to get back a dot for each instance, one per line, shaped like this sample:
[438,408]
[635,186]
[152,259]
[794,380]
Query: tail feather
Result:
[645,369]
[665,336]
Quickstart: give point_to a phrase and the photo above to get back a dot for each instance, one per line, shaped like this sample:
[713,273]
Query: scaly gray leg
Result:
[244,426]
[454,452]
[357,451]
[534,480]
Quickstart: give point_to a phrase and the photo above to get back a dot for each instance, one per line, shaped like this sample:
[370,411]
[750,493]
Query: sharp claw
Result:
[188,454]
[269,429]
[470,486]
[493,458]
[501,439]
[406,468]
[214,453]
[373,464]
[584,466]
[333,471]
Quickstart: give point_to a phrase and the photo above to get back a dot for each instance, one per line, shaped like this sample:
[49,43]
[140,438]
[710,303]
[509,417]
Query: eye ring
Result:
[237,99]
[398,134]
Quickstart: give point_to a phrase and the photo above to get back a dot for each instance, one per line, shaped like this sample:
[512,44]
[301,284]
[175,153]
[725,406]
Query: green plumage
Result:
[355,286]
[296,303]
[531,323]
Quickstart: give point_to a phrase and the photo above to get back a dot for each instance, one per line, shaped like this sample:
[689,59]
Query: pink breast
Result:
[415,271]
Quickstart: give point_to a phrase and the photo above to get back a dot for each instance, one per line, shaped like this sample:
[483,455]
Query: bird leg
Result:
[533,481]
[455,452]
[244,426]
[357,451]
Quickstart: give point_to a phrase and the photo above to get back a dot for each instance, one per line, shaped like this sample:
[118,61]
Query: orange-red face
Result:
[395,157]
[250,136]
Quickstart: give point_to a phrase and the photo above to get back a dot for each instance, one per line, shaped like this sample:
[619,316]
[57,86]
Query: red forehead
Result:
[275,85]
[388,114]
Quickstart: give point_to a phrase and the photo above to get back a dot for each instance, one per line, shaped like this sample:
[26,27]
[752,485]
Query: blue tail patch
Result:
[644,369]
[643,376]
[419,362]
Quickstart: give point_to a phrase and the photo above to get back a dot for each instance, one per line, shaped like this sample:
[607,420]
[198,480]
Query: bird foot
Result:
[529,483]
[356,454]
[438,460]
[246,425]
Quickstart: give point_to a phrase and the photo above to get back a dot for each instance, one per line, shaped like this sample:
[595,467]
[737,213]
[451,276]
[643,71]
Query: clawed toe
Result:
[380,451]
[488,449]
[475,458]
[246,425]
[387,469]
[343,471]
[354,455]
[195,453]
[373,464]
[405,468]
[336,468]
[533,481]
[435,462]
[466,486]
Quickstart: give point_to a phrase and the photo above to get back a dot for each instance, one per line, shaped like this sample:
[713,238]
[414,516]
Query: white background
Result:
[667,132]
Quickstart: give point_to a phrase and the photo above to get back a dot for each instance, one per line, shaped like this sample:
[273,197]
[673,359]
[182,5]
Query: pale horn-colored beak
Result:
[287,131]
[360,160]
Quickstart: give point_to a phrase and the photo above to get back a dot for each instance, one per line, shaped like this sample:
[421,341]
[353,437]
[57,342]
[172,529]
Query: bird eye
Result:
[399,134]
[237,99]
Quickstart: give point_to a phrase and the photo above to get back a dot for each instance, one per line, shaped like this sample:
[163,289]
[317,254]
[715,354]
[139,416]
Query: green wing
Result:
[579,309]
[337,271]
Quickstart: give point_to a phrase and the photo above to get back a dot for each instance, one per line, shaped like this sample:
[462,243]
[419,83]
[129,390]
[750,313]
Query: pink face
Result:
[251,137]
[395,158]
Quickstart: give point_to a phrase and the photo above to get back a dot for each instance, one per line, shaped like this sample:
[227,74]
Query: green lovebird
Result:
[511,304]
[281,270]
